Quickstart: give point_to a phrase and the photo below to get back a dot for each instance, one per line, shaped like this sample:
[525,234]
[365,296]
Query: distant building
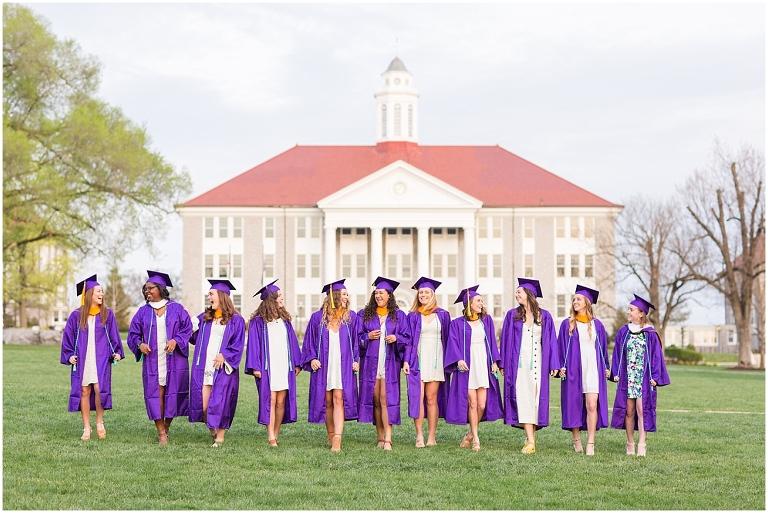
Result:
[706,339]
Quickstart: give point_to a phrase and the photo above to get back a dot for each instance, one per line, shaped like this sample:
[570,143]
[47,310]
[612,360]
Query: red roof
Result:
[303,175]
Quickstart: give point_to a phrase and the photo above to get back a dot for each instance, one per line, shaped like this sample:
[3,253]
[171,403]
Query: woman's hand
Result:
[653,382]
[406,368]
[115,357]
[373,335]
[170,346]
[463,365]
[218,362]
[501,371]
[494,368]
[315,364]
[144,348]
[390,339]
[297,370]
[607,374]
[73,360]
[355,366]
[616,379]
[554,372]
[257,373]
[562,372]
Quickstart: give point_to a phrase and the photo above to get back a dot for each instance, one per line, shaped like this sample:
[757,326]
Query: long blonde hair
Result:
[430,306]
[341,313]
[86,306]
[590,316]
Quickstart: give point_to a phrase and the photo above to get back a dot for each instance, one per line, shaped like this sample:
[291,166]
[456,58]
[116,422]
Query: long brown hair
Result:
[227,309]
[430,306]
[269,310]
[341,313]
[590,316]
[392,308]
[103,310]
[533,304]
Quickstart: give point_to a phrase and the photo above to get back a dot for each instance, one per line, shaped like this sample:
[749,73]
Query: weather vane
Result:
[397,46]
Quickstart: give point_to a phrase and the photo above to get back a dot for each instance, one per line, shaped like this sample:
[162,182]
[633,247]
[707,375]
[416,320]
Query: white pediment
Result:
[399,186]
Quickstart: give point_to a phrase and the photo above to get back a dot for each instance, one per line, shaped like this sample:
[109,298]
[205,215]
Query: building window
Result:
[209,266]
[223,227]
[391,231]
[560,227]
[481,231]
[237,227]
[497,266]
[589,266]
[589,227]
[410,120]
[315,266]
[574,227]
[561,305]
[208,227]
[314,302]
[237,266]
[346,232]
[561,266]
[237,302]
[406,267]
[574,266]
[269,266]
[301,227]
[223,265]
[405,231]
[451,231]
[301,266]
[437,231]
[383,120]
[482,266]
[437,266]
[528,227]
[316,227]
[361,266]
[346,266]
[392,265]
[360,231]
[497,306]
[361,299]
[451,267]
[397,120]
[496,227]
[269,227]
[529,266]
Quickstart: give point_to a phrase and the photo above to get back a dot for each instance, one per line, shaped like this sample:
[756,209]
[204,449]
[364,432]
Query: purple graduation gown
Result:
[178,326]
[369,361]
[412,357]
[655,369]
[223,401]
[257,359]
[511,335]
[316,347]
[572,402]
[74,342]
[459,341]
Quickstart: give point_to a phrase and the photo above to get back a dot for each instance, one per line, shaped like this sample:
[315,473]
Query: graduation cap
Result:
[86,285]
[642,304]
[588,293]
[466,295]
[267,289]
[426,283]
[222,285]
[334,285]
[159,278]
[386,284]
[532,285]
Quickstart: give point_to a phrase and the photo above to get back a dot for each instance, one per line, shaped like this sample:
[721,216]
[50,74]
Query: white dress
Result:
[278,355]
[162,341]
[430,351]
[90,372]
[528,382]
[214,345]
[334,361]
[589,375]
[478,368]
[382,348]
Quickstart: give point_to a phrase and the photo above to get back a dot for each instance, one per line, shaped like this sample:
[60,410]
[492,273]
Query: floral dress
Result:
[635,364]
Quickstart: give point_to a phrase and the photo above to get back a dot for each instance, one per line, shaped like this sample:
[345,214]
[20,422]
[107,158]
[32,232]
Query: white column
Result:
[376,234]
[469,256]
[330,254]
[423,249]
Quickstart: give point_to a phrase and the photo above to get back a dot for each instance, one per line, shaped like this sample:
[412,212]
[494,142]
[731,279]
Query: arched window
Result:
[397,120]
[383,120]
[410,120]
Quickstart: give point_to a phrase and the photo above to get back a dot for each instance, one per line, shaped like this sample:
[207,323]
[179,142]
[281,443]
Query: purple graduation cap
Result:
[386,284]
[159,278]
[466,295]
[223,285]
[642,304]
[266,290]
[588,293]
[426,283]
[86,285]
[334,285]
[532,285]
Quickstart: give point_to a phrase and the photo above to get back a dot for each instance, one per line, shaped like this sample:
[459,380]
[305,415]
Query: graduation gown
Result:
[257,359]
[459,341]
[143,329]
[74,342]
[511,336]
[572,403]
[413,380]
[655,369]
[394,358]
[223,401]
[315,346]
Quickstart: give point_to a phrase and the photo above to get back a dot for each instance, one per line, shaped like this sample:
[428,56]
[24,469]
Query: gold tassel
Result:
[330,293]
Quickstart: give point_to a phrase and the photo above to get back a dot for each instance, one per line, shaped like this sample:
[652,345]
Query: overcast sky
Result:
[616,98]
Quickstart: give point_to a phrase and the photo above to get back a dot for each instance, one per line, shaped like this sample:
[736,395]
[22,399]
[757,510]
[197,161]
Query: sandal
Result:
[431,444]
[218,443]
[380,444]
[590,449]
[101,432]
[529,448]
[336,443]
[630,449]
[387,442]
[86,434]
[162,438]
[420,442]
[475,446]
[577,446]
[272,443]
[467,440]
[640,449]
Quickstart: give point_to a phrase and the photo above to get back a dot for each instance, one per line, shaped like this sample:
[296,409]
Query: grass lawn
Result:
[721,357]
[697,460]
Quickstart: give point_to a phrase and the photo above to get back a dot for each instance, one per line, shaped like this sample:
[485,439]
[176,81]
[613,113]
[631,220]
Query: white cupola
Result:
[397,111]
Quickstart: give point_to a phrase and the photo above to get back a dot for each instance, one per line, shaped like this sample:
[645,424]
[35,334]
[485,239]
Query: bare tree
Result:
[646,230]
[726,203]
[759,304]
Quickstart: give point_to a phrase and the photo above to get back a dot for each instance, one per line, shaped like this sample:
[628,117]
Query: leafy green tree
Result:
[116,298]
[77,173]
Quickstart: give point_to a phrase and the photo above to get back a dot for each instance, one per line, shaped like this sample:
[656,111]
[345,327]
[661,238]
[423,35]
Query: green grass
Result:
[721,357]
[697,460]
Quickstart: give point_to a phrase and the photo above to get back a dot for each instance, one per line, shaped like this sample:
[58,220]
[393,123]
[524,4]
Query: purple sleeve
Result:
[232,347]
[409,351]
[506,334]
[363,333]
[490,330]
[114,334]
[69,337]
[183,330]
[658,366]
[563,343]
[618,348]
[403,334]
[193,335]
[356,326]
[309,347]
[293,343]
[135,337]
[254,351]
[551,340]
[454,350]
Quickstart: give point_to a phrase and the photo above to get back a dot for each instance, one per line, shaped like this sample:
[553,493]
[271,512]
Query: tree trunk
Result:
[744,333]
[22,313]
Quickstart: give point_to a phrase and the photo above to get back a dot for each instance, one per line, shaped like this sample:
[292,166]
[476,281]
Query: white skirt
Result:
[590,383]
[431,352]
[90,372]
[162,341]
[334,362]
[278,355]
[528,382]
[478,368]
[214,345]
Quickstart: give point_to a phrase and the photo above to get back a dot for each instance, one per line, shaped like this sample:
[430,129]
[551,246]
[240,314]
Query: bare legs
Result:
[334,417]
[276,414]
[85,410]
[428,390]
[216,434]
[476,401]
[381,415]
[633,406]
[590,400]
[162,424]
